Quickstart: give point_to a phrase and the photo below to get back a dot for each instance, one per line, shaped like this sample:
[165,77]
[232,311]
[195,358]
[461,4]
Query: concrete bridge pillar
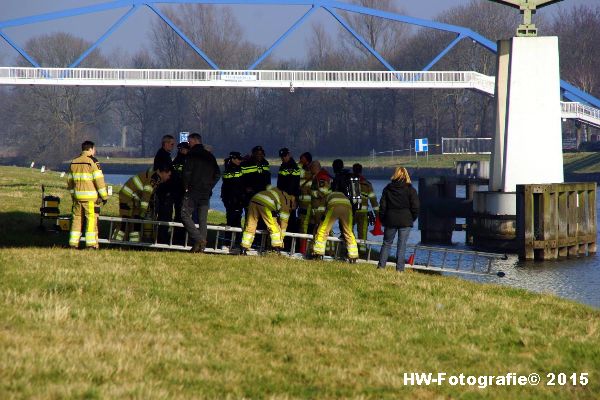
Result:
[528,137]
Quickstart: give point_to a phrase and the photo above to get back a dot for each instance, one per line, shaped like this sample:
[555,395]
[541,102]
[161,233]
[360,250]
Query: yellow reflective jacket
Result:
[86,181]
[278,201]
[305,189]
[335,199]
[320,188]
[138,189]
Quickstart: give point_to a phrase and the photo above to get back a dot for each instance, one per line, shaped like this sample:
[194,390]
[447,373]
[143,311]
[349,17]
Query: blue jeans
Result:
[388,239]
[188,208]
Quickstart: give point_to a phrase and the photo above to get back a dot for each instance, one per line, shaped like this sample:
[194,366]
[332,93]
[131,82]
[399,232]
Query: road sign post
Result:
[422,146]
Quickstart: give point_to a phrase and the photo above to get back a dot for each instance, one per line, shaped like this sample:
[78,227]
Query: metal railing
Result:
[428,258]
[246,78]
[581,112]
[270,79]
[467,145]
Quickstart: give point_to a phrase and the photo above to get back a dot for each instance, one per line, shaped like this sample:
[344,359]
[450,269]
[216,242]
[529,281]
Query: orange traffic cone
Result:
[377,227]
[411,259]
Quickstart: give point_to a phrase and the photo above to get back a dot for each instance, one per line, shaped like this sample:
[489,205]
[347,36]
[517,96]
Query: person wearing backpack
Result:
[362,216]
[398,209]
[347,183]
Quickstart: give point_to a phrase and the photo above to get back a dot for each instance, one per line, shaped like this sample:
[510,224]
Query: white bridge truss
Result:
[271,79]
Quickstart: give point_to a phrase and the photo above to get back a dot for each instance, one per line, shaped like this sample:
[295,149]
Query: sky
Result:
[261,24]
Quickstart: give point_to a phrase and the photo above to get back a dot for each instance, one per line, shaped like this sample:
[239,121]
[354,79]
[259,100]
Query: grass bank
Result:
[144,324]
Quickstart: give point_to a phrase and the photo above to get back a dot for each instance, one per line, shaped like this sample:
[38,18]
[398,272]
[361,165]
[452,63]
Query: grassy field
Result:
[152,325]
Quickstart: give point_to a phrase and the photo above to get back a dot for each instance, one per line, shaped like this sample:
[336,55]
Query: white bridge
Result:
[271,79]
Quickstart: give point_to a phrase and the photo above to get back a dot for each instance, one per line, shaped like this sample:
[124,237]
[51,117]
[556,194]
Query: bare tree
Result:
[61,116]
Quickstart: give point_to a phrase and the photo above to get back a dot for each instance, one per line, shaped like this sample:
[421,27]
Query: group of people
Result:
[306,198]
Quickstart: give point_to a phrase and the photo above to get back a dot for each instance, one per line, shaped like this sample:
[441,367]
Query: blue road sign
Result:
[421,145]
[183,136]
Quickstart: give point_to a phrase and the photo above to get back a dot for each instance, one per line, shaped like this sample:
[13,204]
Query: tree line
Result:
[48,123]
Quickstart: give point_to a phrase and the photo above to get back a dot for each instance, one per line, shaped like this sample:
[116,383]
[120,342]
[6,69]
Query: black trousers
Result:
[234,219]
[164,211]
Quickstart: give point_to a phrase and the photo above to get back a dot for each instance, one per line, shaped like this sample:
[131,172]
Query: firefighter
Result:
[337,207]
[288,180]
[87,187]
[362,216]
[134,199]
[304,208]
[320,187]
[256,174]
[232,192]
[262,206]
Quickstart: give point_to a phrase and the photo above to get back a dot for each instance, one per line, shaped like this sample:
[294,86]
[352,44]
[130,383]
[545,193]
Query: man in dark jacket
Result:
[165,193]
[200,175]
[177,187]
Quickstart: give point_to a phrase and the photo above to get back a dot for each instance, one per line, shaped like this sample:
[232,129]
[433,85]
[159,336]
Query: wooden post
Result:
[592,218]
[562,224]
[556,220]
[583,221]
[572,227]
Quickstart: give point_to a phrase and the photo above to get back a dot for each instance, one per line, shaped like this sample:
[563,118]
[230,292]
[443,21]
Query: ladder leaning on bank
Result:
[425,258]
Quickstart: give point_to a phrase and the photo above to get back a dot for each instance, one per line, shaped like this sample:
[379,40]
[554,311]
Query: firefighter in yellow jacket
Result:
[337,207]
[134,199]
[362,217]
[304,201]
[87,187]
[263,205]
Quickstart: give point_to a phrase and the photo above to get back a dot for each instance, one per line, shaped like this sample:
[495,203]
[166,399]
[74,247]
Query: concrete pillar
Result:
[501,96]
[528,146]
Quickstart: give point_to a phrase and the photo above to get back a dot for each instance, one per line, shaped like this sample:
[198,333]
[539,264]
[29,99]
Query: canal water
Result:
[575,279]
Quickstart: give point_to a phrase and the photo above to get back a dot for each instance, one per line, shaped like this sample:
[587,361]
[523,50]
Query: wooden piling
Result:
[556,220]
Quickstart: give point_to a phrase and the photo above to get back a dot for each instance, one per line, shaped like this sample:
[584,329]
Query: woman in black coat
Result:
[398,209]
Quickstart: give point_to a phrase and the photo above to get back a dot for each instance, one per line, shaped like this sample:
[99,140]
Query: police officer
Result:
[233,194]
[256,173]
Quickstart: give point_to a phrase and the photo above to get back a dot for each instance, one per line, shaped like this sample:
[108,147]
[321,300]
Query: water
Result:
[575,279]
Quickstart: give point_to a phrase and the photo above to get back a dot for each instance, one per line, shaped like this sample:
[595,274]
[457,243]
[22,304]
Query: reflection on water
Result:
[576,279]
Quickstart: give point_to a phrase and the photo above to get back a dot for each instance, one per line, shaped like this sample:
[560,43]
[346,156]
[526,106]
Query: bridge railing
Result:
[476,79]
[581,111]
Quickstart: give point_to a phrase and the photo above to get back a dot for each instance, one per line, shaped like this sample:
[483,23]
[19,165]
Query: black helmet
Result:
[235,154]
[284,152]
[256,149]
